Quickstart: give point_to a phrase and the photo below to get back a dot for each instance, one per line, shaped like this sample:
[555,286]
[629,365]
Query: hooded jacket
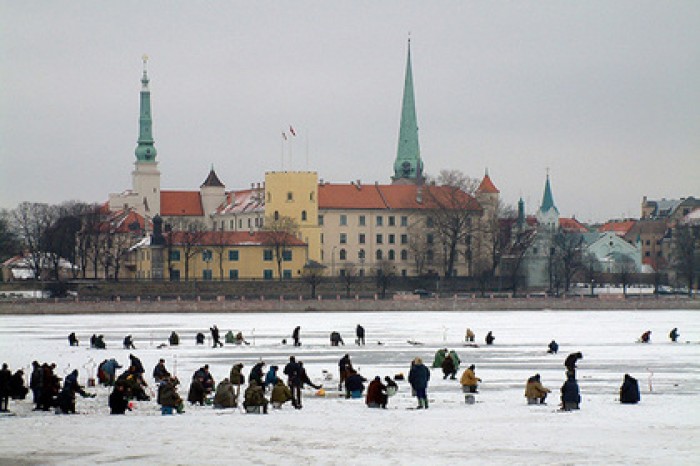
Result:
[629,391]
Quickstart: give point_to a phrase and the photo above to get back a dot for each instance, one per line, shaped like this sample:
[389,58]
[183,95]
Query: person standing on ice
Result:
[215,336]
[570,395]
[490,338]
[629,391]
[360,334]
[344,367]
[570,362]
[674,335]
[293,373]
[418,377]
[469,336]
[5,376]
[295,336]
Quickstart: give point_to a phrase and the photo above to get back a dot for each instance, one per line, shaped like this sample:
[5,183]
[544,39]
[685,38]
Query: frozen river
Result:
[499,429]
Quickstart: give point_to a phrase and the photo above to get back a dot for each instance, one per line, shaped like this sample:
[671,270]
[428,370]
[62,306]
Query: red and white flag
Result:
[291,130]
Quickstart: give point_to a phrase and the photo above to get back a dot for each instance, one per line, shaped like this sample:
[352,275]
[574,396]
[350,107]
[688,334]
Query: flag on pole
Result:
[291,130]
[284,135]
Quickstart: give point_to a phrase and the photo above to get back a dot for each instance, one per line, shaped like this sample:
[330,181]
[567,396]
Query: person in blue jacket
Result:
[418,377]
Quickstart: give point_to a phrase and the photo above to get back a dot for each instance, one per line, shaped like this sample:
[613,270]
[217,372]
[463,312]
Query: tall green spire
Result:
[547,198]
[145,151]
[408,164]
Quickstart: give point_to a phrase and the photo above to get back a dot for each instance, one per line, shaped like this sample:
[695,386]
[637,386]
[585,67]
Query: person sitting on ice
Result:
[100,342]
[229,338]
[570,395]
[354,385]
[197,394]
[553,347]
[72,339]
[489,338]
[225,397]
[336,339]
[376,394]
[646,337]
[280,394]
[118,400]
[17,389]
[535,392]
[440,356]
[469,336]
[271,377]
[391,386]
[469,380]
[240,340]
[254,396]
[160,372]
[174,339]
[674,335]
[169,397]
[448,368]
[207,379]
[629,391]
[199,338]
[129,342]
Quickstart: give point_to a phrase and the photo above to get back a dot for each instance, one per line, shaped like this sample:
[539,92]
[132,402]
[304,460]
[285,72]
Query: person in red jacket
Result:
[376,394]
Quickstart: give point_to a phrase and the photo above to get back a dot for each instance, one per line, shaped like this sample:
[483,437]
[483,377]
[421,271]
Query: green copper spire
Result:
[145,151]
[547,198]
[408,164]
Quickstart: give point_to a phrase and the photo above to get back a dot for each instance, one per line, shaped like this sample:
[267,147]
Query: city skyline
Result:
[604,96]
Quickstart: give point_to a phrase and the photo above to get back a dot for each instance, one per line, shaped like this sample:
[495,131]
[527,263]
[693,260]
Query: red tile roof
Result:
[572,225]
[233,238]
[487,186]
[181,203]
[394,196]
[620,228]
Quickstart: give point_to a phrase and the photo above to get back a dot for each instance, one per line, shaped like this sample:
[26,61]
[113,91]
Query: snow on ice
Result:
[499,429]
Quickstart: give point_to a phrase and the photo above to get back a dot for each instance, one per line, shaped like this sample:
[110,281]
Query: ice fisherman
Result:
[629,391]
[418,377]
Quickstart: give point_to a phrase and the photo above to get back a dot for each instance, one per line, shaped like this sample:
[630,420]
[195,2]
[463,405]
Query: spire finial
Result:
[486,171]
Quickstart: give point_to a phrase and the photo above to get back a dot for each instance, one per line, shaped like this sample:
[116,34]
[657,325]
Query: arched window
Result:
[379,254]
[361,254]
[404,255]
[392,255]
[303,215]
[343,255]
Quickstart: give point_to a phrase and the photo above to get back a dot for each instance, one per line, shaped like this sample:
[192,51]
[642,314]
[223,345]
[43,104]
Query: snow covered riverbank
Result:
[500,428]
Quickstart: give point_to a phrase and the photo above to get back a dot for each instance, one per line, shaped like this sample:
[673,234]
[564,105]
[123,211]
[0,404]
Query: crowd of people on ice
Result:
[267,385]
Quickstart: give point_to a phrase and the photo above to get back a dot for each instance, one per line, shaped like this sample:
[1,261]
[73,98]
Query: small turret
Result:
[213,192]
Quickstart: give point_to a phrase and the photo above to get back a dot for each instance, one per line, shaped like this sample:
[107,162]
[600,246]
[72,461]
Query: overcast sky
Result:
[606,94]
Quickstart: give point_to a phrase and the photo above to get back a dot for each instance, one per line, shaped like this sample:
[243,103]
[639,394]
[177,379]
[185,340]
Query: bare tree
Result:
[349,275]
[418,245]
[9,240]
[220,246]
[625,271]
[685,249]
[279,235]
[313,275]
[512,260]
[453,213]
[32,220]
[384,274]
[566,258]
[190,239]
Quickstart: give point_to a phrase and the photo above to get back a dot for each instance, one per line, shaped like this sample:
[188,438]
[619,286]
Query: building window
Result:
[380,220]
[277,216]
[429,255]
[267,254]
[429,238]
[361,238]
[321,238]
[343,255]
[267,274]
[174,256]
[404,221]
[392,255]
[361,220]
[404,273]
[341,272]
[392,239]
[311,196]
[303,215]
[404,239]
[392,221]
[240,223]
[175,275]
[343,220]
[379,254]
[380,239]
[361,254]
[206,274]
[290,196]
[429,222]
[647,254]
[404,255]
[286,273]
[362,272]
[287,256]
[233,274]
[206,255]
[320,220]
[233,255]
[343,238]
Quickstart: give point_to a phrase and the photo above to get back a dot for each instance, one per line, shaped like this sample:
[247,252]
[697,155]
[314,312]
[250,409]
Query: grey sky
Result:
[604,93]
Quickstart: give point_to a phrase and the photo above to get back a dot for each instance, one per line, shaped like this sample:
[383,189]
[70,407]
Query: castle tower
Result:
[408,166]
[213,193]
[146,176]
[548,214]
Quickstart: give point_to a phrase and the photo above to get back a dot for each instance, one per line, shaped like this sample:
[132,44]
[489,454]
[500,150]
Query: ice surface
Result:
[499,429]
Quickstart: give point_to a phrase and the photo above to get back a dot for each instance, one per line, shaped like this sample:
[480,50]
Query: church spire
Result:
[145,151]
[408,165]
[547,198]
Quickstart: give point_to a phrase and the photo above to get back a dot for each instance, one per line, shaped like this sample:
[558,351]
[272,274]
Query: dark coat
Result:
[169,395]
[418,376]
[293,372]
[138,365]
[376,393]
[256,373]
[571,360]
[629,391]
[236,377]
[196,393]
[5,376]
[118,401]
[448,366]
[570,392]
[355,382]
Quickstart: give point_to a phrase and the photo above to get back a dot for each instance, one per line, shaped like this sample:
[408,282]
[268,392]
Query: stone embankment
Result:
[335,304]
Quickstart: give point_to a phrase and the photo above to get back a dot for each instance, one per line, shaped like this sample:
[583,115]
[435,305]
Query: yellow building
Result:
[220,255]
[295,195]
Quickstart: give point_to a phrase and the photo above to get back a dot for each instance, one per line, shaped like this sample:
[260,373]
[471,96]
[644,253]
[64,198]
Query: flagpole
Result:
[290,153]
[306,136]
[282,149]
